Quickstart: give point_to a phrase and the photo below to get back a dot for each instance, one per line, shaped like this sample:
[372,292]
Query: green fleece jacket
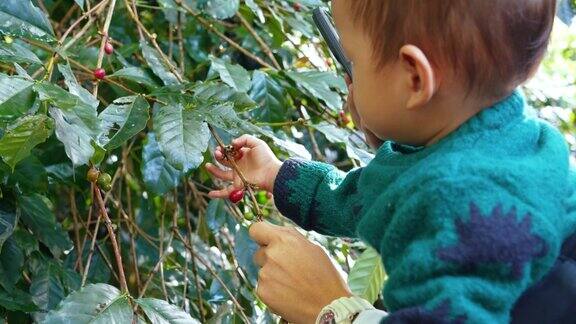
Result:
[464,227]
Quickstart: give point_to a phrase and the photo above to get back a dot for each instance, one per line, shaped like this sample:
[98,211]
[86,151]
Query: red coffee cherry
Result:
[99,74]
[108,48]
[236,196]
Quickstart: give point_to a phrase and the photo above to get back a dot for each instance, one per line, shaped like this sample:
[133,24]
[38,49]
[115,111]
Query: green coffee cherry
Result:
[105,181]
[249,216]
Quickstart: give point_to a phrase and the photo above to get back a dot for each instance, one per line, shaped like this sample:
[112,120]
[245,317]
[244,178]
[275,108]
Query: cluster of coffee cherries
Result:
[100,73]
[102,179]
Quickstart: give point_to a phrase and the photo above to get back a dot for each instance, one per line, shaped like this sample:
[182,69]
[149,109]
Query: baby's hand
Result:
[254,159]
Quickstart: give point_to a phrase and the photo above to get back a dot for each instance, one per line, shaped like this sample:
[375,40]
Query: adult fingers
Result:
[260,257]
[265,233]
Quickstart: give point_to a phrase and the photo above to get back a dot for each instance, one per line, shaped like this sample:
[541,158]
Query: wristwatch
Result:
[343,310]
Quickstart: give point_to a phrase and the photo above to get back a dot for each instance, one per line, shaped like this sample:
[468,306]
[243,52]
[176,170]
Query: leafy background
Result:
[251,66]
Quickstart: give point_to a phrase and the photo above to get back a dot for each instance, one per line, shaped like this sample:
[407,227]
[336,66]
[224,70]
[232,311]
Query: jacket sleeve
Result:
[319,197]
[464,251]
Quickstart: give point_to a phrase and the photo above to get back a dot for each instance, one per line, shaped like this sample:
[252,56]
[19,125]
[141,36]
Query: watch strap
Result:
[343,310]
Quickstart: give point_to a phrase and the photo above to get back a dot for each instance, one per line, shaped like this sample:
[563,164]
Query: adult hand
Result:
[296,279]
[350,106]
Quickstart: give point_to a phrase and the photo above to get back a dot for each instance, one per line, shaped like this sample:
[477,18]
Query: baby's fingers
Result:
[222,193]
[225,175]
[248,141]
[221,157]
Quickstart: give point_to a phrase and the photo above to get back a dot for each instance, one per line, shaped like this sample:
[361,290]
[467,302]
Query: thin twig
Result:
[131,234]
[104,40]
[218,33]
[216,276]
[265,48]
[79,20]
[74,211]
[181,44]
[152,37]
[89,219]
[117,254]
[192,257]
[90,253]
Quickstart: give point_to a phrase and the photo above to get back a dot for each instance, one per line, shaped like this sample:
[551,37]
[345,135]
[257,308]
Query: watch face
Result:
[328,318]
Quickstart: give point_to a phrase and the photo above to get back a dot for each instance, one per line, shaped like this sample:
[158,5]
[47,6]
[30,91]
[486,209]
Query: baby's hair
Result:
[495,45]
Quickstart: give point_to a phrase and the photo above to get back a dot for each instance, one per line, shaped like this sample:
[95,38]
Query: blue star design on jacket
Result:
[498,238]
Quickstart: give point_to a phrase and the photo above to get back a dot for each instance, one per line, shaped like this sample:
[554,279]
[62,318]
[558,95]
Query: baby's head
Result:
[423,67]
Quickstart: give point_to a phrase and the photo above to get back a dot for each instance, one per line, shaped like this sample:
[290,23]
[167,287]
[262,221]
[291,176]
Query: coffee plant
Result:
[109,108]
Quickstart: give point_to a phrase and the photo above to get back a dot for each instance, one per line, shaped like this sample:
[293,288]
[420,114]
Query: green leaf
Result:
[320,85]
[217,215]
[182,134]
[11,261]
[300,24]
[75,110]
[39,217]
[17,53]
[94,304]
[75,88]
[22,136]
[80,3]
[256,9]
[367,276]
[77,142]
[157,65]
[244,248]
[159,176]
[340,135]
[29,175]
[16,97]
[222,9]
[77,123]
[8,222]
[221,93]
[25,240]
[232,74]
[17,300]
[99,154]
[21,18]
[271,98]
[129,115]
[46,287]
[138,75]
[160,312]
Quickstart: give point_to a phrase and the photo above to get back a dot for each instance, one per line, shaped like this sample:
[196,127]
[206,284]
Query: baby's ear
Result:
[420,77]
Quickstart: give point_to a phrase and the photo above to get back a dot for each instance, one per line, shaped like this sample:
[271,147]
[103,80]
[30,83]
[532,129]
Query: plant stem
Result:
[74,211]
[192,256]
[104,40]
[218,33]
[152,37]
[117,254]
[265,48]
[217,277]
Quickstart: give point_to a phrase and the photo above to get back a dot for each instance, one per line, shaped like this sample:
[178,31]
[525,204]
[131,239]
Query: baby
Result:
[466,199]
